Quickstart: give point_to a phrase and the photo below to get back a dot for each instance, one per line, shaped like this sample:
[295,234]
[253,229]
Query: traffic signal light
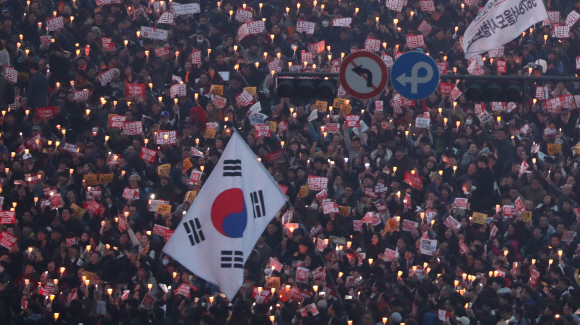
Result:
[494,92]
[306,87]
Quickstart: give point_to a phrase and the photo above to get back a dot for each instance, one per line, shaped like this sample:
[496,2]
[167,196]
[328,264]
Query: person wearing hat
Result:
[165,123]
[235,87]
[201,43]
[90,153]
[26,157]
[253,52]
[197,115]
[464,320]
[396,318]
[36,130]
[139,59]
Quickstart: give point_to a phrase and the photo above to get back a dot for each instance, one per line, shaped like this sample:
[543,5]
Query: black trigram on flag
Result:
[232,167]
[194,232]
[258,204]
[232,259]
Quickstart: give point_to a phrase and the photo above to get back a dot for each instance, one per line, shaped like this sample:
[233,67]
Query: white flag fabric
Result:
[219,231]
[499,22]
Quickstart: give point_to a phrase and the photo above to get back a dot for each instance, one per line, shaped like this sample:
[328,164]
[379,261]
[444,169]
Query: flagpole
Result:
[302,225]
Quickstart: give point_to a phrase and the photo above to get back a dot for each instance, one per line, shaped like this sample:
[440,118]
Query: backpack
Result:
[9,94]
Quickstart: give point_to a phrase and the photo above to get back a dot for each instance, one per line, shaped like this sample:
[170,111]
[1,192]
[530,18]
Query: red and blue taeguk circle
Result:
[228,213]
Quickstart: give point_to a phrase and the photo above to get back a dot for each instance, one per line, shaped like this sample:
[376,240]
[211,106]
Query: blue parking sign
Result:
[415,75]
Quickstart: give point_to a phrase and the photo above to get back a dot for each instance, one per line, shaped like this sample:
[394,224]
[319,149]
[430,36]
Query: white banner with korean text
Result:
[499,22]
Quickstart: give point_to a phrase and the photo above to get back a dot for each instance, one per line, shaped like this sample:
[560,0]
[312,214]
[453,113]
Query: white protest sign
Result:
[154,33]
[428,246]
[186,9]
[257,118]
[422,123]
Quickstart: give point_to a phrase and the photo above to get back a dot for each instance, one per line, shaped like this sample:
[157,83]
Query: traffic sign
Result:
[363,74]
[415,75]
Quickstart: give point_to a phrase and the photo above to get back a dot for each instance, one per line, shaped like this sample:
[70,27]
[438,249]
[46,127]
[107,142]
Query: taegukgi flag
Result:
[233,208]
[499,22]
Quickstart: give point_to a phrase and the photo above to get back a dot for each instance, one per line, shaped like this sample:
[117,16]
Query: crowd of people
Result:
[114,113]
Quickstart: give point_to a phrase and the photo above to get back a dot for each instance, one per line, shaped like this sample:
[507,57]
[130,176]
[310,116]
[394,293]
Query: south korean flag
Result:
[218,233]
